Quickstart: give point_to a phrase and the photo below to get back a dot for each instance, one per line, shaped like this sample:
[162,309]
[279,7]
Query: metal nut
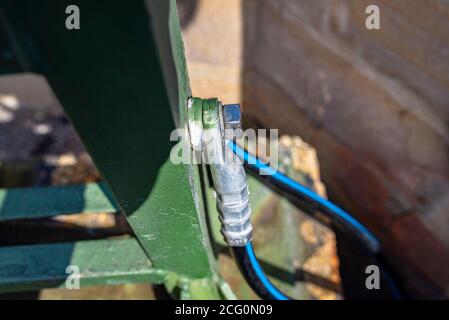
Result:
[232,121]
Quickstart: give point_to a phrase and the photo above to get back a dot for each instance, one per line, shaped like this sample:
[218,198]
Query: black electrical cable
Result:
[254,275]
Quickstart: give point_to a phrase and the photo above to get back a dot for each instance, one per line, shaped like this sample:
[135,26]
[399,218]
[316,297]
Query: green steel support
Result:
[9,59]
[42,202]
[117,78]
[25,268]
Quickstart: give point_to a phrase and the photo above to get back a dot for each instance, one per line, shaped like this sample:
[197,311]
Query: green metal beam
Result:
[110,262]
[117,83]
[9,59]
[42,202]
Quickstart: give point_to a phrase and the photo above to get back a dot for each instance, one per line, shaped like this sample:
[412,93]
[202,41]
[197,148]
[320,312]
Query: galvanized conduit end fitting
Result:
[219,123]
[231,193]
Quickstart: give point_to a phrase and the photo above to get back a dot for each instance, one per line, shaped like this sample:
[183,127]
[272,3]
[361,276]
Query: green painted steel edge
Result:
[109,262]
[42,202]
[185,288]
[199,289]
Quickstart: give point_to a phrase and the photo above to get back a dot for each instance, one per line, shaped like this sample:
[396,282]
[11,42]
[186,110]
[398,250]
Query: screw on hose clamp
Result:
[210,125]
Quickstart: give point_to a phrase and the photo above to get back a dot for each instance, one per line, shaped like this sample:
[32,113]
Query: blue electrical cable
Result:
[246,257]
[331,208]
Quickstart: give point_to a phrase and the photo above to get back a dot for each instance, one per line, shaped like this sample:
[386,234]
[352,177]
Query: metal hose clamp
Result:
[219,125]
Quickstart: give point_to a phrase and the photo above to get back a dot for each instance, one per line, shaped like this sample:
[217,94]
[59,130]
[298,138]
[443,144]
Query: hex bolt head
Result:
[232,121]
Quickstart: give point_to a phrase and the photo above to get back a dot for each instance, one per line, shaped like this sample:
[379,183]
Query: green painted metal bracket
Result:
[117,78]
[42,202]
[9,59]
[35,267]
